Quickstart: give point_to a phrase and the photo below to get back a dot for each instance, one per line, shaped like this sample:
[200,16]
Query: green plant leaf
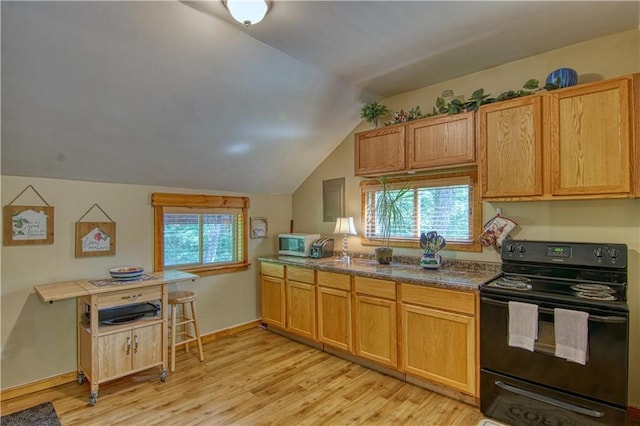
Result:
[373,110]
[532,84]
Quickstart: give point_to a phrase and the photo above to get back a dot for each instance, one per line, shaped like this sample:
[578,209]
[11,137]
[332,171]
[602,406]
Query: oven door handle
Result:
[548,400]
[596,318]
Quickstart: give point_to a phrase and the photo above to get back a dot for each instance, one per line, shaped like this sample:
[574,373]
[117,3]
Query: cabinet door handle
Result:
[132,296]
[128,345]
[135,344]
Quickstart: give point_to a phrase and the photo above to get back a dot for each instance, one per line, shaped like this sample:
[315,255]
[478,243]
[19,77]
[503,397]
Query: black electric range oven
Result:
[535,387]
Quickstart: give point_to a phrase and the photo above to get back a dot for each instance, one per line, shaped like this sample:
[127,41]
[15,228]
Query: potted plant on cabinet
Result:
[372,111]
[388,211]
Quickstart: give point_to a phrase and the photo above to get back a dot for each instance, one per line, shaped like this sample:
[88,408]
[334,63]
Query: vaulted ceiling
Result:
[178,94]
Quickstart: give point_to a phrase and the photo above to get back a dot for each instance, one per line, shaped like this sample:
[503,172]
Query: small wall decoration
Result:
[95,238]
[27,225]
[258,227]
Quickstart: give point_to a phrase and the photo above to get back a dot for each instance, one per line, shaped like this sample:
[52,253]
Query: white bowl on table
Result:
[126,273]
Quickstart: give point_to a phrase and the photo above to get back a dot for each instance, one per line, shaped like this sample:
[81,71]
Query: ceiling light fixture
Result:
[248,12]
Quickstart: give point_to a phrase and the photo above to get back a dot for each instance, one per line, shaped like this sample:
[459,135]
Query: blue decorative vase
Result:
[565,77]
[431,261]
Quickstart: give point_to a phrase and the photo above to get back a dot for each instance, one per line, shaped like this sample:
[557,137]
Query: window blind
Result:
[442,205]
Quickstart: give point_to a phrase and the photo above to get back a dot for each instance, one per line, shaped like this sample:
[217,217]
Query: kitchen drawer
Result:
[450,300]
[373,287]
[134,295]
[333,280]
[301,275]
[272,269]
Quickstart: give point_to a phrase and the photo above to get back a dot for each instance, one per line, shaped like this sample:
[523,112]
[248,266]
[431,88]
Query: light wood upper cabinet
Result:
[572,143]
[380,151]
[441,141]
[510,148]
[590,139]
[428,143]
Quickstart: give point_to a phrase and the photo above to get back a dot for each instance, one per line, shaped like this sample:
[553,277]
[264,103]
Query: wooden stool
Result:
[183,298]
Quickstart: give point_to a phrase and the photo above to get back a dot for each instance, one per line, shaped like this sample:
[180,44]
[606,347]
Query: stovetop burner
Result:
[595,295]
[593,288]
[594,291]
[514,283]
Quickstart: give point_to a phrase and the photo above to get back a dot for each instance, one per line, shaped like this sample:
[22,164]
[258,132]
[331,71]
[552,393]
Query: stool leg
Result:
[185,327]
[174,313]
[196,328]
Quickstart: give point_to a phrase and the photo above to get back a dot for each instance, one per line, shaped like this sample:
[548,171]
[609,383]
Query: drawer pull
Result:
[128,345]
[132,296]
[135,344]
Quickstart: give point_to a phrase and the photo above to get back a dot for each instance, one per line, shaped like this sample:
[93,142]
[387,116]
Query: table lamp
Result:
[345,226]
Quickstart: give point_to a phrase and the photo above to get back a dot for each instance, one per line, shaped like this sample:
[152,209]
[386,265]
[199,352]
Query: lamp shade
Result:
[247,12]
[345,225]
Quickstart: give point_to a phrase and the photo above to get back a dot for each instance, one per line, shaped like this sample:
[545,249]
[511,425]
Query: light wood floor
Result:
[254,378]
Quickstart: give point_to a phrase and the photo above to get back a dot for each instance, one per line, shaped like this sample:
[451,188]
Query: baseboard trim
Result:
[229,331]
[633,412]
[38,385]
[71,376]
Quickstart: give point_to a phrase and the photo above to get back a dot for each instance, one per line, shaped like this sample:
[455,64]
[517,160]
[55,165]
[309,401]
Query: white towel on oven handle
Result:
[523,325]
[572,334]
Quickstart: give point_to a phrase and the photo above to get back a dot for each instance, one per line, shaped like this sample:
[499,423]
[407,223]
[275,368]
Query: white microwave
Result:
[296,244]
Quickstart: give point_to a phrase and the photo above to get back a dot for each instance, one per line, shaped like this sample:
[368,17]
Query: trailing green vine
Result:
[371,112]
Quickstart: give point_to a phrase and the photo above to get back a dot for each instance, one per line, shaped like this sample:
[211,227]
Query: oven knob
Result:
[598,252]
[511,248]
[522,249]
[614,254]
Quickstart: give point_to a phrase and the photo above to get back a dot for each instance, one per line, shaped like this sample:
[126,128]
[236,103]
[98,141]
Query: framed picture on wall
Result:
[258,227]
[27,225]
[95,239]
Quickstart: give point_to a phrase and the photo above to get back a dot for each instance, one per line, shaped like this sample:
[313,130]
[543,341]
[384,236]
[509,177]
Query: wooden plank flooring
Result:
[254,378]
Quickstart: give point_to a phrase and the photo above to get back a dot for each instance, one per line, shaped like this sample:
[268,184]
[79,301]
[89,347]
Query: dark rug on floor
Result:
[40,415]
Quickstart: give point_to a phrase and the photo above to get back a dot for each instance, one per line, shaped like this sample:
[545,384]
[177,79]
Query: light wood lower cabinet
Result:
[376,321]
[427,332]
[273,302]
[437,343]
[107,352]
[301,302]
[129,350]
[334,310]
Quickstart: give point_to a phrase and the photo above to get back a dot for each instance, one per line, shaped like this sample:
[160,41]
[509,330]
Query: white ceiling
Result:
[178,94]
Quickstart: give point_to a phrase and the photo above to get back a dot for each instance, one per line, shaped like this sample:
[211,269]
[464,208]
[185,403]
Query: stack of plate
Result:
[126,273]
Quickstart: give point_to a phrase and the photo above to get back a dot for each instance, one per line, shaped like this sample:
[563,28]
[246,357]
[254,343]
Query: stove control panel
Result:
[582,254]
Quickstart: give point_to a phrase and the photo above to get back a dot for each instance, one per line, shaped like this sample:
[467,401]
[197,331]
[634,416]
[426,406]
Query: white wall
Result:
[39,339]
[597,221]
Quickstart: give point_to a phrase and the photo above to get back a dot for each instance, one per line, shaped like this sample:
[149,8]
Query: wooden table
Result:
[107,352]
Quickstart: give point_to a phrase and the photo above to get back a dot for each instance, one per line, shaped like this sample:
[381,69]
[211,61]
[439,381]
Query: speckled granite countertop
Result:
[454,274]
